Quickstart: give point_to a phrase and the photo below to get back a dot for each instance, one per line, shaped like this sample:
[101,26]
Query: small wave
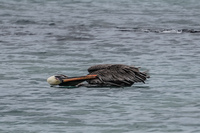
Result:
[24,21]
[167,31]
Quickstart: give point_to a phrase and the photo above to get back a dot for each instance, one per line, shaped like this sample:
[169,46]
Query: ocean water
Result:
[41,38]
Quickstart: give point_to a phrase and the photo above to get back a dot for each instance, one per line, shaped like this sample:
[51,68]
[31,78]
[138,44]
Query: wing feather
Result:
[117,75]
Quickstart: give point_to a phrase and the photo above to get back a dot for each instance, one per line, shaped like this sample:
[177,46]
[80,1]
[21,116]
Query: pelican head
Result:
[53,80]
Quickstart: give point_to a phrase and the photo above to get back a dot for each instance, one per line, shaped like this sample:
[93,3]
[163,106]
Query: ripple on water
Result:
[40,39]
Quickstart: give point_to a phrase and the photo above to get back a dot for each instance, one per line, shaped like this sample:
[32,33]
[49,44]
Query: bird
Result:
[118,75]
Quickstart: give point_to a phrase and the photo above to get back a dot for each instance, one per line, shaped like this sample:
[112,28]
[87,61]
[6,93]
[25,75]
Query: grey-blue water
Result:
[41,38]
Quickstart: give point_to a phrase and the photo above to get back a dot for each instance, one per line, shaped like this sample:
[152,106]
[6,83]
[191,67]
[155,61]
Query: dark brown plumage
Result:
[103,75]
[116,75]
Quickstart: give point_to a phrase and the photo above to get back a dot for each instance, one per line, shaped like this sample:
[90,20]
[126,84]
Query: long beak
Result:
[87,77]
[73,81]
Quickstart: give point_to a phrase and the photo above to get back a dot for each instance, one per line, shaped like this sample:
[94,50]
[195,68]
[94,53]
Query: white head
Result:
[53,80]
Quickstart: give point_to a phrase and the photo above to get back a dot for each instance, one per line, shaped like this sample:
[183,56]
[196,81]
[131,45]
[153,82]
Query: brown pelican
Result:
[103,75]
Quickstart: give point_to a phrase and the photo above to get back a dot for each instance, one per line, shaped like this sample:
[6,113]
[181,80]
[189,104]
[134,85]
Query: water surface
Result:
[42,38]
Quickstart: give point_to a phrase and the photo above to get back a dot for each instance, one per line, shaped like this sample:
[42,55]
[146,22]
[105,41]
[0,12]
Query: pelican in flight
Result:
[103,75]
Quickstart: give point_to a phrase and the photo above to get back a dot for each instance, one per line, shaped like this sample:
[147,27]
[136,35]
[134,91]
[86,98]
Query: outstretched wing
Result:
[117,75]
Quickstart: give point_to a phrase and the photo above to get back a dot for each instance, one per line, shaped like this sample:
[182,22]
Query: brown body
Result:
[106,75]
[116,75]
